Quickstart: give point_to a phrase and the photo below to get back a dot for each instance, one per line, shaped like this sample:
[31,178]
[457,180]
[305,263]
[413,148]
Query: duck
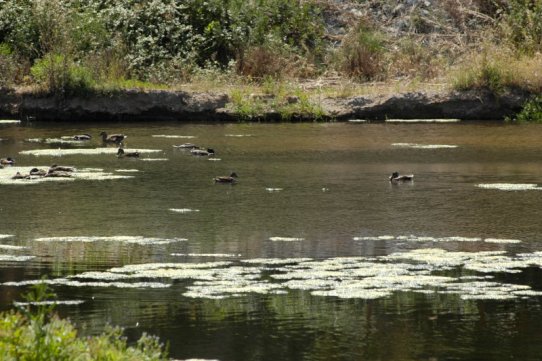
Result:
[186,146]
[58,174]
[232,178]
[82,137]
[7,161]
[121,153]
[60,168]
[395,177]
[202,152]
[18,175]
[113,138]
[38,172]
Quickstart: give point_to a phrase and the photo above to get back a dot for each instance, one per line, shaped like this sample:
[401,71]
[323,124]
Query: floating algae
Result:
[11,258]
[93,174]
[271,190]
[422,120]
[9,247]
[50,303]
[286,239]
[85,151]
[413,238]
[173,136]
[239,135]
[424,146]
[183,210]
[510,186]
[419,270]
[122,239]
[218,255]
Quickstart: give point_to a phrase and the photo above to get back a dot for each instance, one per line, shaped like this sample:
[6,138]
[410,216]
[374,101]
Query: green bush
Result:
[59,75]
[35,333]
[522,24]
[160,40]
[531,112]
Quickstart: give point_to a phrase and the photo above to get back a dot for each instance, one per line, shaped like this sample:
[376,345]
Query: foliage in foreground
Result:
[35,333]
[531,112]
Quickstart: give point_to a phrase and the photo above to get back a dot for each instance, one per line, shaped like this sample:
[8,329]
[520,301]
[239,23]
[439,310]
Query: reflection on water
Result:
[445,267]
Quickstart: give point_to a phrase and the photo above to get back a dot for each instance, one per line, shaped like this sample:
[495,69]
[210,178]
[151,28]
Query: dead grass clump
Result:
[498,69]
[261,62]
[361,55]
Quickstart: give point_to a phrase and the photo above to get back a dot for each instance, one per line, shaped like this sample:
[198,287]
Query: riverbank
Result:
[153,105]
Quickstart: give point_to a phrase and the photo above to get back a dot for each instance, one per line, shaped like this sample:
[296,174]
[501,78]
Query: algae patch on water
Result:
[424,146]
[286,239]
[427,271]
[510,186]
[122,239]
[172,136]
[7,173]
[83,151]
[183,210]
[421,239]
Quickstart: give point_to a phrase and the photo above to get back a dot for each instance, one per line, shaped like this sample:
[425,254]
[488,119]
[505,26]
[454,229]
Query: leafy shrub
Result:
[36,333]
[531,112]
[522,24]
[59,75]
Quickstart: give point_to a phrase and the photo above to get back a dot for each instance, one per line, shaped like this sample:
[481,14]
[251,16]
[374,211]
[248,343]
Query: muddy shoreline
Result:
[160,105]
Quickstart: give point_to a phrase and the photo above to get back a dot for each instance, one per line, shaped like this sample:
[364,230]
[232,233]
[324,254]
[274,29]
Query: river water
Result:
[312,255]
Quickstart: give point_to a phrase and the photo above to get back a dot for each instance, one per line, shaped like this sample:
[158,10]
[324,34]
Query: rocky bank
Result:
[135,105]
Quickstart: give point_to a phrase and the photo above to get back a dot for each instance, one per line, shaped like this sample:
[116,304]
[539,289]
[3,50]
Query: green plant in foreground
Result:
[35,333]
[531,112]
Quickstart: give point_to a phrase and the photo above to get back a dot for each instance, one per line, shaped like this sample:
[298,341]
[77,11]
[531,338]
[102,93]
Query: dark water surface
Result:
[334,196]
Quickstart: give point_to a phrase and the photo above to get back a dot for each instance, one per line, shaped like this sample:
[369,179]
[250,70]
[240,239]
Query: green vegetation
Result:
[66,47]
[35,333]
[531,112]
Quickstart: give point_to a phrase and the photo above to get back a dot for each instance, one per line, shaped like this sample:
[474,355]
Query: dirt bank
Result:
[135,105]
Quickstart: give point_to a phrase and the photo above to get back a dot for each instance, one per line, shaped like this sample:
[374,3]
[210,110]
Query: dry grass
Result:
[498,68]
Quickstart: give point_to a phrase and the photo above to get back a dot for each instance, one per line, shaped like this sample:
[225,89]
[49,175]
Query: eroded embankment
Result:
[134,105]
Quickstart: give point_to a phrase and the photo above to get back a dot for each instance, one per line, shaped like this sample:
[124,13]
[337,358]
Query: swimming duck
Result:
[7,161]
[82,137]
[60,168]
[113,138]
[18,175]
[58,174]
[202,152]
[186,146]
[121,153]
[395,177]
[38,172]
[227,179]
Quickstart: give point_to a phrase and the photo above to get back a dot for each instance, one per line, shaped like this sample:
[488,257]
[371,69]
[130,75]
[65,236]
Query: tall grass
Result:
[499,69]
